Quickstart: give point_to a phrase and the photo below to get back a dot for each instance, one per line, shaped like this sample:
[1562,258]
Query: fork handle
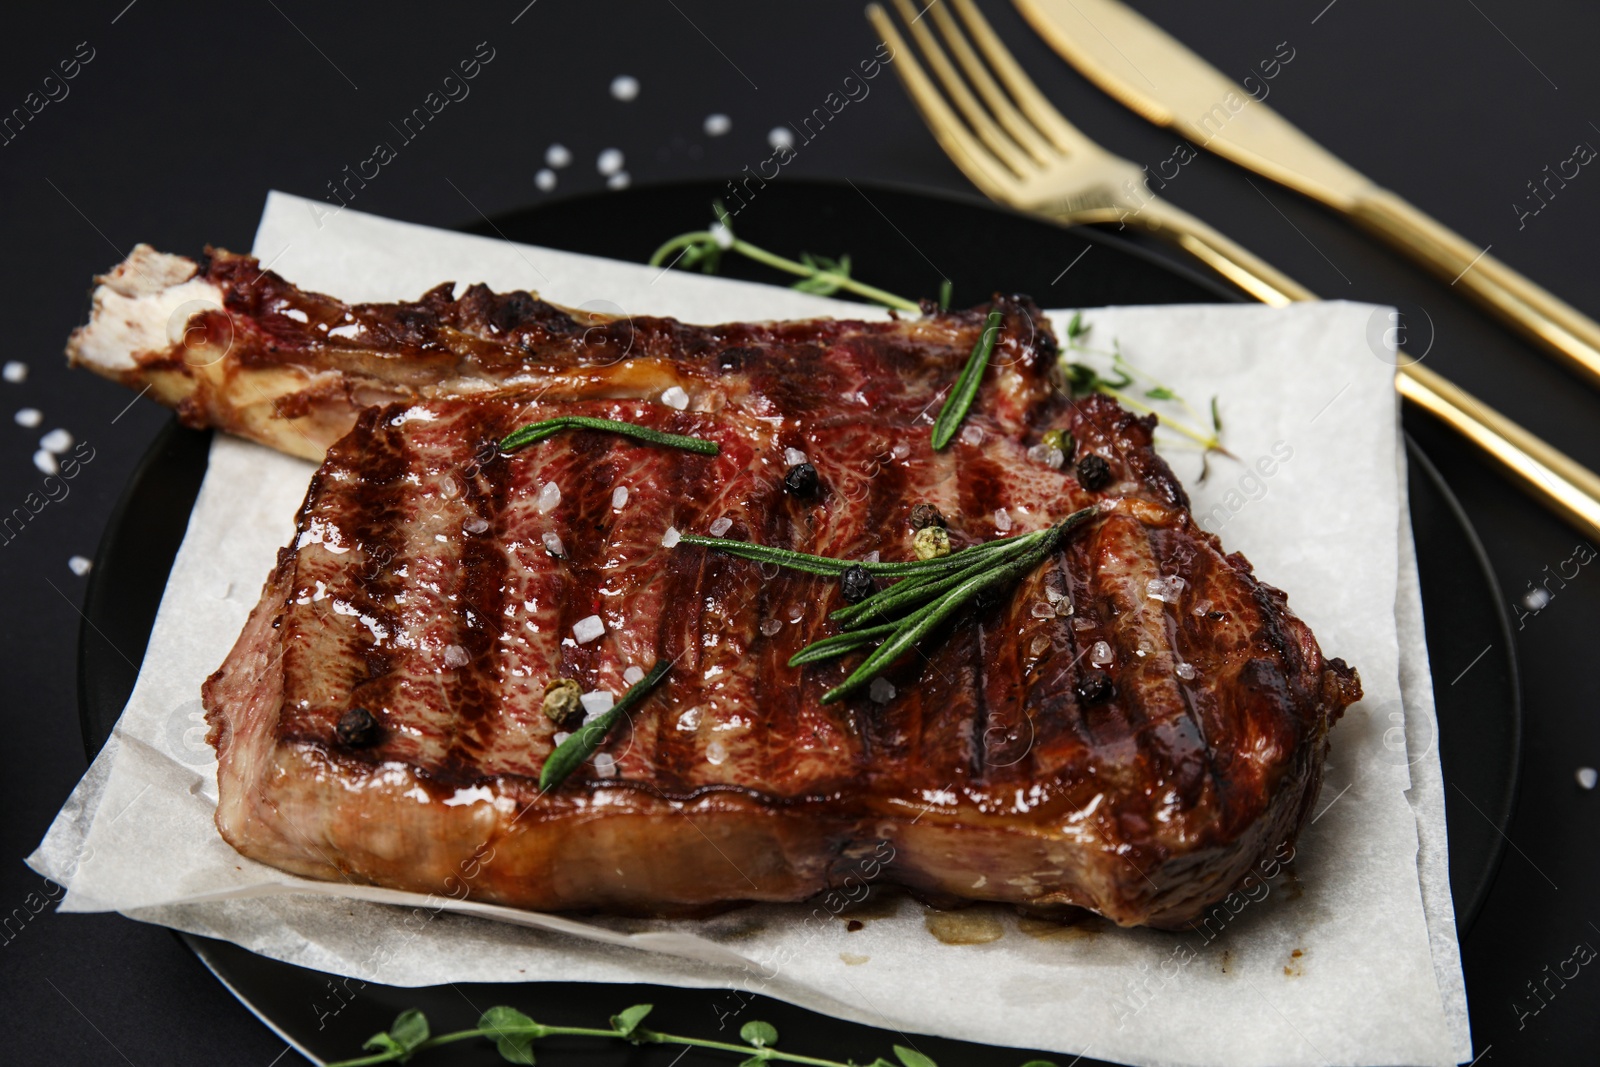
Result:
[1563,484]
[1551,322]
[1219,252]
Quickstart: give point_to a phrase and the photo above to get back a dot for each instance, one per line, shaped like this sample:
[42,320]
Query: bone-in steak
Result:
[1128,730]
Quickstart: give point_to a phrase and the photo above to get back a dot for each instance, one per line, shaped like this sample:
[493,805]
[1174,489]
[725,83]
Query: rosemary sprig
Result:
[538,431]
[514,1034]
[570,754]
[965,391]
[818,274]
[935,588]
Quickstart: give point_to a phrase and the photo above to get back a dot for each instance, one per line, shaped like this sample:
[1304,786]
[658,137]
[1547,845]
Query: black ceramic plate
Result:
[981,250]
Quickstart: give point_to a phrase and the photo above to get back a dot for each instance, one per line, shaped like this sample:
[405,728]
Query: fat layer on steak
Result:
[1129,730]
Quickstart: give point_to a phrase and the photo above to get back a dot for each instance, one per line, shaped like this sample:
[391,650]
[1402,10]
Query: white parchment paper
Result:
[1352,959]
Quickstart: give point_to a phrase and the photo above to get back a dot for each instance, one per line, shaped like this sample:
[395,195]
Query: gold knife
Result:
[1155,75]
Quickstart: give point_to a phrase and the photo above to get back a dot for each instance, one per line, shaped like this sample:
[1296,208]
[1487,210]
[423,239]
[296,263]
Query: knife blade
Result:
[1161,79]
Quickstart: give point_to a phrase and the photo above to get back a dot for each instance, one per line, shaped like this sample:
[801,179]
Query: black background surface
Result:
[188,113]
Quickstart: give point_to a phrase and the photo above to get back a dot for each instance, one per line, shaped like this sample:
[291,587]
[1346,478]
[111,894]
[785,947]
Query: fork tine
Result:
[999,103]
[980,165]
[1063,134]
[999,142]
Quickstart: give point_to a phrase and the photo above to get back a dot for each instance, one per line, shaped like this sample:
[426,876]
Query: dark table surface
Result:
[182,115]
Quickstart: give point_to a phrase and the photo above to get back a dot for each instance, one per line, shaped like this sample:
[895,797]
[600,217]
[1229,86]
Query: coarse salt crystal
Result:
[971,434]
[675,397]
[881,691]
[793,457]
[587,629]
[1100,654]
[553,545]
[605,765]
[545,180]
[1002,520]
[780,137]
[1037,647]
[557,156]
[609,161]
[716,752]
[718,124]
[870,557]
[795,615]
[670,538]
[45,461]
[633,675]
[1166,590]
[559,737]
[1201,607]
[15,372]
[900,450]
[689,720]
[619,180]
[1536,599]
[57,441]
[624,87]
[29,417]
[619,498]
[475,525]
[1043,610]
[549,497]
[770,626]
[1061,602]
[721,235]
[721,526]
[79,565]
[1588,777]
[455,656]
[1185,671]
[596,702]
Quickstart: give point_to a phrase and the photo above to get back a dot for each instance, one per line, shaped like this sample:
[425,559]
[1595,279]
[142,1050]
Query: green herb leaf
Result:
[1076,328]
[965,391]
[945,290]
[1039,1063]
[538,431]
[410,1029]
[571,753]
[1160,392]
[384,1043]
[912,1058]
[625,1022]
[757,1033]
[1216,418]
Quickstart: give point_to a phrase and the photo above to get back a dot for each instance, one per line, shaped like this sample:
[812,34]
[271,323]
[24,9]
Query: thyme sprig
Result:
[1083,379]
[514,1033]
[930,593]
[538,431]
[818,274]
[965,391]
[570,754]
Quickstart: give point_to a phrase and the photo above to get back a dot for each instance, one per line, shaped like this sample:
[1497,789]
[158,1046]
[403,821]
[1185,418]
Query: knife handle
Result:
[1551,322]
[1549,475]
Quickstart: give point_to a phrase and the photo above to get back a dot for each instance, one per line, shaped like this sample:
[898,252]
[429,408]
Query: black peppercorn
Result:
[1095,687]
[925,515]
[1093,472]
[357,728]
[801,480]
[856,584]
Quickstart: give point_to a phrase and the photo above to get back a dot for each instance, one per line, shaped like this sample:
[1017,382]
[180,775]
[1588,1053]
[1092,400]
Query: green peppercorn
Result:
[1060,440]
[562,700]
[931,542]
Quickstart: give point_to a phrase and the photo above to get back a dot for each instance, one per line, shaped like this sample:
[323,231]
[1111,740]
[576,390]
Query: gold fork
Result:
[1022,152]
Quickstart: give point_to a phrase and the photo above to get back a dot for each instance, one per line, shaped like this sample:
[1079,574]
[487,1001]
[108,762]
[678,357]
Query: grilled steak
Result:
[1128,730]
